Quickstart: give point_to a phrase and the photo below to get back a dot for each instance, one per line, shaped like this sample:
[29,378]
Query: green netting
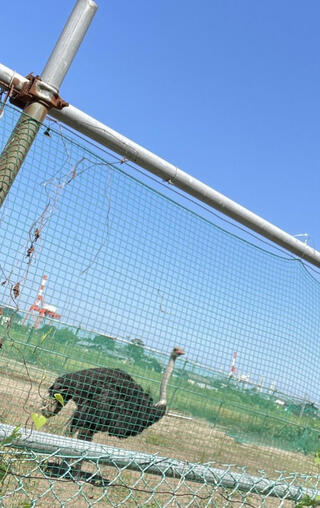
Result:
[132,273]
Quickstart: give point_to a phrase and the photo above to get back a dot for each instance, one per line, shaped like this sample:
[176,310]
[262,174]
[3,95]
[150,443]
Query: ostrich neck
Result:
[164,383]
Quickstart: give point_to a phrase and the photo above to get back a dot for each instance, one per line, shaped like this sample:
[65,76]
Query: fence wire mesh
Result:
[102,276]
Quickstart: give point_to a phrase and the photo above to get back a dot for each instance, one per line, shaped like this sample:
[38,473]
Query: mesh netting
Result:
[105,283]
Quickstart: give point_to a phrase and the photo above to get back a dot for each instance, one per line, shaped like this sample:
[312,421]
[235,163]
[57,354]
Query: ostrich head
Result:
[176,352]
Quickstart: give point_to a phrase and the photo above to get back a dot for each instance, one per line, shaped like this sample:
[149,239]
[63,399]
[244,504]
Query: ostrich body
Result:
[108,400]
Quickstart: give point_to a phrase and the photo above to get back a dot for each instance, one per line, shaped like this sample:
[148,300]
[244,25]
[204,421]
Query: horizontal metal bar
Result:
[111,139]
[106,136]
[9,78]
[43,443]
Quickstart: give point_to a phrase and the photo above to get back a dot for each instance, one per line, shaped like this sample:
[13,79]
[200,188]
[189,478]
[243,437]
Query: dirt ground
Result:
[21,390]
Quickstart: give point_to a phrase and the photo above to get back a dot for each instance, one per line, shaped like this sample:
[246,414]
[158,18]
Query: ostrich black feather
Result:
[108,400]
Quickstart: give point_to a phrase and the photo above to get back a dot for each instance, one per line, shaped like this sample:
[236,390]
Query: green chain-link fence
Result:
[131,273]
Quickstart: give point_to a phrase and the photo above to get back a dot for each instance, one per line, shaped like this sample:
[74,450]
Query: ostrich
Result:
[108,400]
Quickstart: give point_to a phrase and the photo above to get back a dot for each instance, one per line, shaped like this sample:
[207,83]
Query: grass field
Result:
[245,415]
[227,427]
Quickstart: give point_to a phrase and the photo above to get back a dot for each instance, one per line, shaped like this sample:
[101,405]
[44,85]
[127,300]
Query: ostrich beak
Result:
[49,407]
[178,351]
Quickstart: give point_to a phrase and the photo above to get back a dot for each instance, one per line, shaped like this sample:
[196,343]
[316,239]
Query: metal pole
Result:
[111,139]
[34,113]
[18,146]
[69,42]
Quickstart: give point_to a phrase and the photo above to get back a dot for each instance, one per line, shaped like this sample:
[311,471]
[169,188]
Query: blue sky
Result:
[228,91]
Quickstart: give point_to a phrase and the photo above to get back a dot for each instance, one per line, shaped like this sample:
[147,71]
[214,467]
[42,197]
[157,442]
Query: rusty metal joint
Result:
[36,90]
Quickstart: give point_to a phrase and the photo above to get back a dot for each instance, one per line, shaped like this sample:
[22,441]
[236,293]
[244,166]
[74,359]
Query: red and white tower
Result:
[39,301]
[41,308]
[233,365]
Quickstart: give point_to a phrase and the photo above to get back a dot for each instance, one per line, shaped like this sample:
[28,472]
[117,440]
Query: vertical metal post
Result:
[34,113]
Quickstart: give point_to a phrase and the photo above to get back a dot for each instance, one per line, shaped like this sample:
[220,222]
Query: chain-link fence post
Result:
[36,99]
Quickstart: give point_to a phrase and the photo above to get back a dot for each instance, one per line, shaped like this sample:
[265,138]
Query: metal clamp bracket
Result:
[36,90]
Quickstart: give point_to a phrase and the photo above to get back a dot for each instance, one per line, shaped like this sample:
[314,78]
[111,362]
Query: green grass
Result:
[242,414]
